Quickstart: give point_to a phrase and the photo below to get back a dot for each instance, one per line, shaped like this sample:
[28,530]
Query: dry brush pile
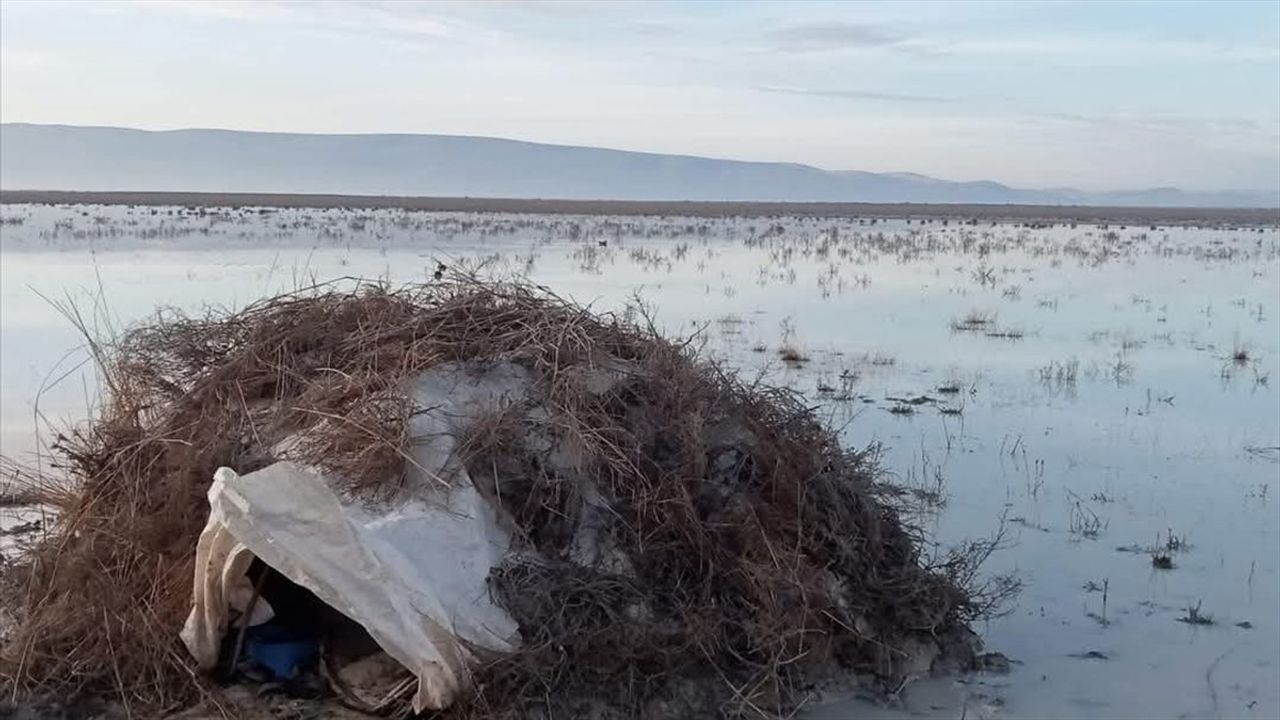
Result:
[758,554]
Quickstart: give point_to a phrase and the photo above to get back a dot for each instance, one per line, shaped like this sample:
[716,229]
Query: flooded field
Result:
[1108,397]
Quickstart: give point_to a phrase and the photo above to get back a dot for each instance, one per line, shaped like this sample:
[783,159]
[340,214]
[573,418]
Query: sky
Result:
[1099,96]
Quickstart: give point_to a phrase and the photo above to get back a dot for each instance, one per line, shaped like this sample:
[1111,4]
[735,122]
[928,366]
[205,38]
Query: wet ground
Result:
[1110,395]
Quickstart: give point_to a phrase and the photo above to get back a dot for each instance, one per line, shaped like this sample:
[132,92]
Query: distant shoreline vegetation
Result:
[954,212]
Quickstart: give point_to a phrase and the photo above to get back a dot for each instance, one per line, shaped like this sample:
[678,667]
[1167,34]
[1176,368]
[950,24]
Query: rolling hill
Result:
[64,157]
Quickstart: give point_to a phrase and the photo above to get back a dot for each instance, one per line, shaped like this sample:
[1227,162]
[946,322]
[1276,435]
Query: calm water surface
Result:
[1116,386]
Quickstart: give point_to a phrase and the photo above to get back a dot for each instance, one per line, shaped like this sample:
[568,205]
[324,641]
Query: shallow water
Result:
[1159,431]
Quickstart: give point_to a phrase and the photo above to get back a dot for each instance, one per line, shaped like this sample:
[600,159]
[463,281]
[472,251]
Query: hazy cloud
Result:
[1109,48]
[1163,124]
[849,94]
[371,18]
[826,36]
[833,36]
[15,57]
[654,28]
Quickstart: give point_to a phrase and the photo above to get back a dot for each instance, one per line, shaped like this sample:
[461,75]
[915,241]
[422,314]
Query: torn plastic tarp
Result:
[412,576]
[412,573]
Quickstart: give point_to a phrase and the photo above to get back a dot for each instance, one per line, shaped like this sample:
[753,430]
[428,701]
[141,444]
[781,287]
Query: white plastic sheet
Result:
[413,573]
[413,576]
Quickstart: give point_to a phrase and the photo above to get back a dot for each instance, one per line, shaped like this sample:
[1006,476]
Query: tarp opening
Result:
[414,577]
[412,572]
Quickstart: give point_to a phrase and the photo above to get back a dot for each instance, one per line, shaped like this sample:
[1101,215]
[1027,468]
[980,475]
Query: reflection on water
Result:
[1101,390]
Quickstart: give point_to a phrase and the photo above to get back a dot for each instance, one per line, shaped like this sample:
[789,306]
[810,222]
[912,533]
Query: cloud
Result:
[654,28]
[1111,48]
[1092,47]
[25,59]
[404,22]
[828,36]
[1162,124]
[859,95]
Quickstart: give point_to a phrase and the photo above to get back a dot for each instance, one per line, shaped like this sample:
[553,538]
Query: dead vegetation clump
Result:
[974,321]
[741,552]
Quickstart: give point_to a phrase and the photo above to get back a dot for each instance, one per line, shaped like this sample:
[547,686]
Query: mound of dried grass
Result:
[759,552]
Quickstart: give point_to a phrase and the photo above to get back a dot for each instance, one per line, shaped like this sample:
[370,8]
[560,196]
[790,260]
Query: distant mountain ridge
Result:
[65,157]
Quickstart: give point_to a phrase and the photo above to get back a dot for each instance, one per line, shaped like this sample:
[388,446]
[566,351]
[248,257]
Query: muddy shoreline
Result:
[1252,217]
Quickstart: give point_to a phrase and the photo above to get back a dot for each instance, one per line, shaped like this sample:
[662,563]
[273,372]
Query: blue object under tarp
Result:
[280,650]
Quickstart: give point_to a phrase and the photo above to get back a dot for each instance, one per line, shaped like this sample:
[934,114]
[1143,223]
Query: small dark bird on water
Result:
[440,268]
[603,243]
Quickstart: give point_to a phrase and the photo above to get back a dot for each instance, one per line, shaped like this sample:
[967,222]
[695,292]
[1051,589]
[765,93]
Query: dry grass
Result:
[761,552]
